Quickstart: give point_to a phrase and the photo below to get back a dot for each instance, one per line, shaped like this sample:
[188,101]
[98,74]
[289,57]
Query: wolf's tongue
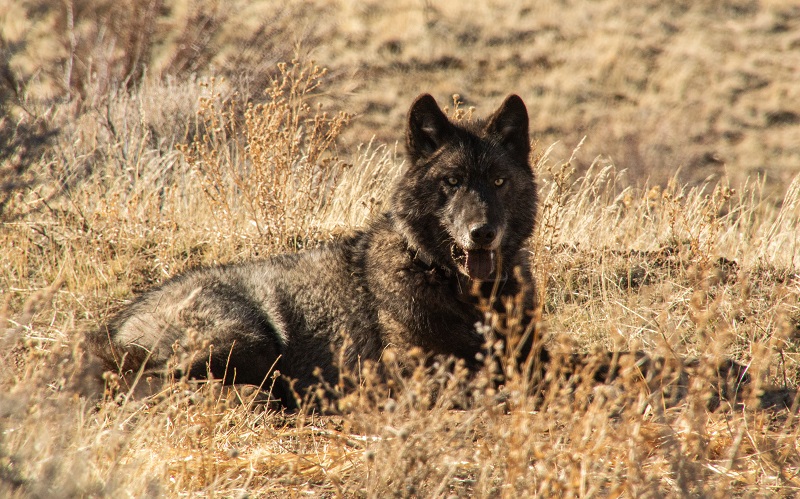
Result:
[480,264]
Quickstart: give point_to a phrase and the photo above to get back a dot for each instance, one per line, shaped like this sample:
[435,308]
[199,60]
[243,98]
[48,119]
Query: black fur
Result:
[466,204]
[412,279]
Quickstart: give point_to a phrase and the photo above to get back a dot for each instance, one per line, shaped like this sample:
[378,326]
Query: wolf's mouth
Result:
[477,263]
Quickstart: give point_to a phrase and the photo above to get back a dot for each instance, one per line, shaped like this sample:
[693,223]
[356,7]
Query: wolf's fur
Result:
[411,280]
[459,216]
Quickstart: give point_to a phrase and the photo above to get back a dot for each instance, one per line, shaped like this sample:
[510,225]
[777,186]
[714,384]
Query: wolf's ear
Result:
[510,125]
[428,127]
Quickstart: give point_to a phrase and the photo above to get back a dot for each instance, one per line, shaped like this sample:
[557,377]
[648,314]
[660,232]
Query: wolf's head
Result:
[467,201]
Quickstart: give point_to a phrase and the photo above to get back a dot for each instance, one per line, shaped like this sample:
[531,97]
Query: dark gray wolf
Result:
[418,278]
[455,231]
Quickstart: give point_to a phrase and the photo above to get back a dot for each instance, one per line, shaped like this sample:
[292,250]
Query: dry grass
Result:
[281,171]
[124,162]
[707,87]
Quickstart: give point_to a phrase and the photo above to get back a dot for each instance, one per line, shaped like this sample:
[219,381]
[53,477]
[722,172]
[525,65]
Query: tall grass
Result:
[264,160]
[622,266]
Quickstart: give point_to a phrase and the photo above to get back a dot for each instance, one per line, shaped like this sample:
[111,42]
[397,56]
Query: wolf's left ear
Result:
[510,125]
[428,127]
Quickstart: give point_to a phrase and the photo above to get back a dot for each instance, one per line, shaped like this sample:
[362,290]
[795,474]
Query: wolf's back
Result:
[240,322]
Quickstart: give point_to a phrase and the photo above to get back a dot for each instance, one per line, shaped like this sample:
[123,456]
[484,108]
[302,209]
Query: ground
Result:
[139,140]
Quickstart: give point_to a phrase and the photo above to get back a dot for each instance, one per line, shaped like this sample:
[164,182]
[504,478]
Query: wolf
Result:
[412,280]
[419,279]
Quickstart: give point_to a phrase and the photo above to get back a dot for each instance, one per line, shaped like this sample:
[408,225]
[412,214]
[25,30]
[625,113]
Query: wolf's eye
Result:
[499,181]
[452,181]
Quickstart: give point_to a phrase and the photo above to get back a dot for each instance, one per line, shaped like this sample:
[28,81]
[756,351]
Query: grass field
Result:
[142,139]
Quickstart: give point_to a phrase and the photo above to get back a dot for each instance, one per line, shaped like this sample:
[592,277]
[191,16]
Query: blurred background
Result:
[707,88]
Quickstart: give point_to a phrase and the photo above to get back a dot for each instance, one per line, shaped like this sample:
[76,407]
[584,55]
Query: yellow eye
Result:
[452,181]
[500,181]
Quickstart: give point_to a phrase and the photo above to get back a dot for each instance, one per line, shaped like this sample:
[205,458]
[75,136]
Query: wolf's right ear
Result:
[428,128]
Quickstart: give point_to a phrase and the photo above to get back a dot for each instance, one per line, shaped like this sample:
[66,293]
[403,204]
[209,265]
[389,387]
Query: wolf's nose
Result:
[483,235]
